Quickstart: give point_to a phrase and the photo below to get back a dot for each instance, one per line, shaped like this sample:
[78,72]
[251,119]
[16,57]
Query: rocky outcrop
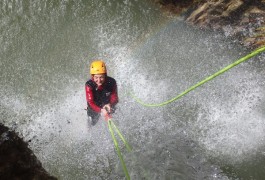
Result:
[17,161]
[242,19]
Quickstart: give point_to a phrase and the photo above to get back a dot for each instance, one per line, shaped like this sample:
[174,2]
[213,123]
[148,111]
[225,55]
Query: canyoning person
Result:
[101,92]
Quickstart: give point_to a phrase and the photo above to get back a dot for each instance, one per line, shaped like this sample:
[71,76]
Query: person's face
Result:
[99,79]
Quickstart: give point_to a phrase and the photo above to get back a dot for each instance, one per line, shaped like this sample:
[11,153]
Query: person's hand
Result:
[106,115]
[107,107]
[104,112]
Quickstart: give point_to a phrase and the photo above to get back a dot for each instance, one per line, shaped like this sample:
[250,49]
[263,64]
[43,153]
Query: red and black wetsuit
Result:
[97,97]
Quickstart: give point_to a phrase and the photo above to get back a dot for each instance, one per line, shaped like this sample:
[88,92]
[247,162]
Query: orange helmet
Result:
[98,67]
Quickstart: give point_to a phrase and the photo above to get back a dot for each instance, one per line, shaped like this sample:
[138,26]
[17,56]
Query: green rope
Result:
[254,53]
[118,150]
[122,138]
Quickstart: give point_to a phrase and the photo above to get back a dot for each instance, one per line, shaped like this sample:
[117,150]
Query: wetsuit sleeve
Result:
[114,96]
[90,100]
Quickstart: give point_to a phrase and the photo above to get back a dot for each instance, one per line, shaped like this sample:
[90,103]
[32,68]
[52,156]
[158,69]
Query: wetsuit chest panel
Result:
[102,97]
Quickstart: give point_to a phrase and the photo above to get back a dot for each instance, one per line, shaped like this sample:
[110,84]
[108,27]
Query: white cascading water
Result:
[46,48]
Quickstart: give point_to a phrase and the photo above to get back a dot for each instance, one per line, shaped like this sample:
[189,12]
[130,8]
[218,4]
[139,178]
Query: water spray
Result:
[250,55]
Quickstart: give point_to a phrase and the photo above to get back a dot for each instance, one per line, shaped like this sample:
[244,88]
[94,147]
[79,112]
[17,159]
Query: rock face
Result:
[242,19]
[17,161]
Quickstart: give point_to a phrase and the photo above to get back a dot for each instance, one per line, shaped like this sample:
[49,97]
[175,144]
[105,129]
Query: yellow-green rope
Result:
[122,138]
[118,149]
[252,54]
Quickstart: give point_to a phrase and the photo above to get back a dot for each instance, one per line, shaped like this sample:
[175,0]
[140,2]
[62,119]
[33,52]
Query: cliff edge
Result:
[17,161]
[243,20]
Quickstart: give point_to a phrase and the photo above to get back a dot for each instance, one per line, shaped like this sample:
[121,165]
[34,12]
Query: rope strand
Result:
[250,55]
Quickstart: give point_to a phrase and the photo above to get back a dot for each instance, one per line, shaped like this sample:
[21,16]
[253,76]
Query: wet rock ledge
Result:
[243,20]
[17,161]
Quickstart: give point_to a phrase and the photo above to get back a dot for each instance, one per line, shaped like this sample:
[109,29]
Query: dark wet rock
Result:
[17,161]
[241,19]
[175,6]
